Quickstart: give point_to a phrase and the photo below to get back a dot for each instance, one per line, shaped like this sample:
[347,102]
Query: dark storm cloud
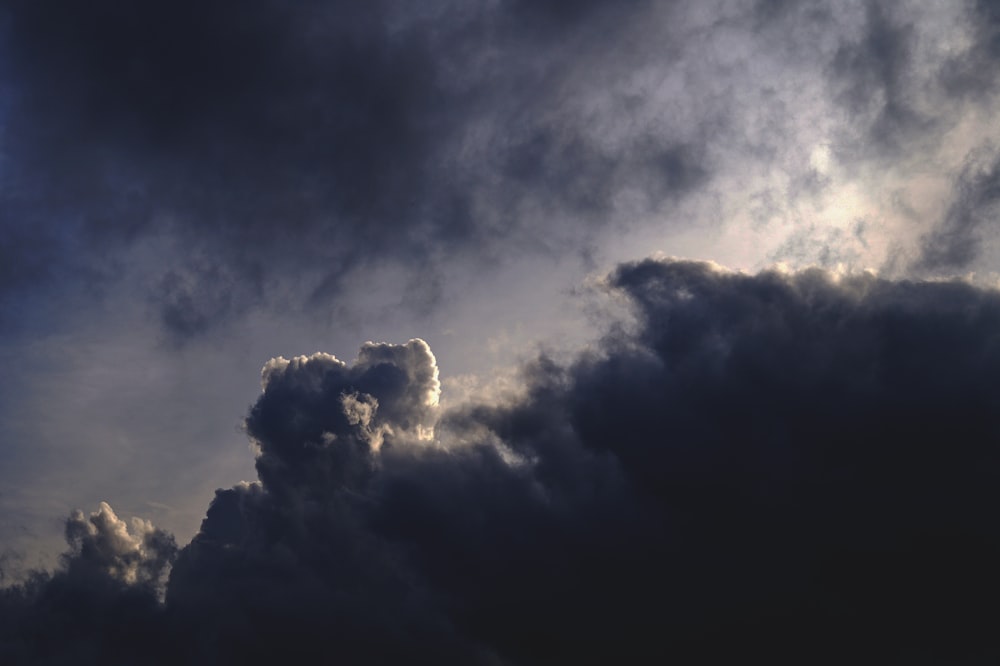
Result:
[957,241]
[241,127]
[296,553]
[317,137]
[800,462]
[793,467]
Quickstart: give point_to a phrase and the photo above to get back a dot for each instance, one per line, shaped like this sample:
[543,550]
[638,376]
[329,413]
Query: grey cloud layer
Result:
[788,466]
[957,241]
[269,142]
[321,136]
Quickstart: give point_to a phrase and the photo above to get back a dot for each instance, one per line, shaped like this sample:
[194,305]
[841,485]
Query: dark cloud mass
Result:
[792,466]
[260,148]
[308,139]
[786,466]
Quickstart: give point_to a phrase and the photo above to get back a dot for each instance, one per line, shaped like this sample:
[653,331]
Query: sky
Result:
[499,331]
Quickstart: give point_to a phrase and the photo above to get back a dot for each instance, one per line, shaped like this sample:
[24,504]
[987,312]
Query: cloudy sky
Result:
[499,331]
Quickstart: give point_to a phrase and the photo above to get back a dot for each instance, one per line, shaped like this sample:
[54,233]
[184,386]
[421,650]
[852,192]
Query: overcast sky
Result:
[626,265]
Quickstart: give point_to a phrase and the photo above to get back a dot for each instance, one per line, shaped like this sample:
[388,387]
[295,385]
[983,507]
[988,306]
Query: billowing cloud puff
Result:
[323,430]
[793,467]
[102,606]
[103,540]
[318,417]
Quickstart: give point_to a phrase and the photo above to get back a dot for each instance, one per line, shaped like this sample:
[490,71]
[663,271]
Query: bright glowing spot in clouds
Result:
[819,159]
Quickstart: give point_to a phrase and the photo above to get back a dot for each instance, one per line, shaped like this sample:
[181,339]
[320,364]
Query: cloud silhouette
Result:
[793,466]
